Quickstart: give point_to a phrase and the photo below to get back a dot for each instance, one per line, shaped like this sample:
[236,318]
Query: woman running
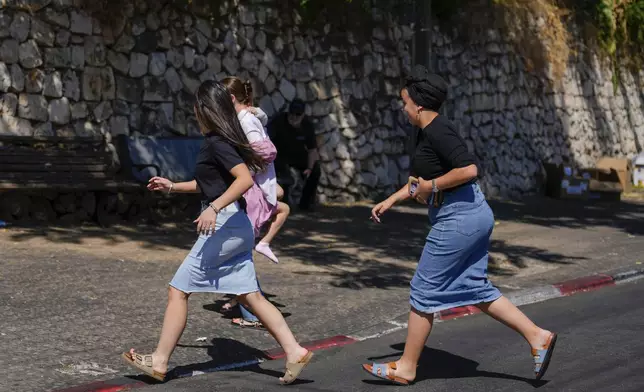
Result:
[453,266]
[221,259]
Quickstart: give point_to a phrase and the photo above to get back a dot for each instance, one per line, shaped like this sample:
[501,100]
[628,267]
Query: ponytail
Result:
[241,90]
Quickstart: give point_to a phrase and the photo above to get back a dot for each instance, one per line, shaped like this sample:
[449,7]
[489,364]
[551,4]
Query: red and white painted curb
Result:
[523,297]
[538,294]
[115,385]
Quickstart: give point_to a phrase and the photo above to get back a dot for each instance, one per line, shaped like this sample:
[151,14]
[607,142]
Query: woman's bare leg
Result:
[174,322]
[418,329]
[275,324]
[504,311]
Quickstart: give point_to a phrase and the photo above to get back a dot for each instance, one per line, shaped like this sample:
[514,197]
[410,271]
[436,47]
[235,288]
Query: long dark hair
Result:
[243,91]
[216,114]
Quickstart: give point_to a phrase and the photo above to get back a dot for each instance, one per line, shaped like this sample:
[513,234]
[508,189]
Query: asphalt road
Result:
[600,348]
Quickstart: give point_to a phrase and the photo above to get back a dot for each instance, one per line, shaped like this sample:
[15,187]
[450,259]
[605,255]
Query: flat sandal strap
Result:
[145,360]
[380,369]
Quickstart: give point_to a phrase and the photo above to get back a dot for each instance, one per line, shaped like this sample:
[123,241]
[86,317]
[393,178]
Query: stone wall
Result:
[63,73]
[515,120]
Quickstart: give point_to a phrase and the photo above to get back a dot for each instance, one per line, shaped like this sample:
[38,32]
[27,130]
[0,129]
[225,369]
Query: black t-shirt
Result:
[437,149]
[292,144]
[215,160]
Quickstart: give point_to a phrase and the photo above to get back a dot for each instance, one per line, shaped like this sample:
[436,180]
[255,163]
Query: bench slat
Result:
[100,185]
[49,167]
[31,153]
[59,163]
[53,160]
[14,139]
[54,176]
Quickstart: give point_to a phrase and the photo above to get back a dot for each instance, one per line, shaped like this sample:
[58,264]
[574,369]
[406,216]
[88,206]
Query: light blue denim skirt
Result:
[221,262]
[452,270]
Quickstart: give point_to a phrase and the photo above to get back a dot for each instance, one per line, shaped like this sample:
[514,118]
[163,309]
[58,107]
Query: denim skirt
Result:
[452,270]
[221,262]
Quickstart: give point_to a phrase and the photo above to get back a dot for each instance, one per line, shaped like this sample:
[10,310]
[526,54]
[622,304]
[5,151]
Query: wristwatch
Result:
[434,187]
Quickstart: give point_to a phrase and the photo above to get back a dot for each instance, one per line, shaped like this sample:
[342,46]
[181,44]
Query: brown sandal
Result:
[543,356]
[240,322]
[293,370]
[143,363]
[381,370]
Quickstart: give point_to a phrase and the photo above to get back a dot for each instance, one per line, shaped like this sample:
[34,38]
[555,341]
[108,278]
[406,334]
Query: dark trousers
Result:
[310,187]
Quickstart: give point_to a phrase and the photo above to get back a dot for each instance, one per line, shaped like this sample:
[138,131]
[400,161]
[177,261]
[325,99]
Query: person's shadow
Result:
[436,363]
[217,306]
[224,352]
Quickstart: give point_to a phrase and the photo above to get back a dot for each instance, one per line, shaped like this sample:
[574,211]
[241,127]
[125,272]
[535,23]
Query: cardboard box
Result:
[604,184]
[566,182]
[562,182]
[603,180]
[624,169]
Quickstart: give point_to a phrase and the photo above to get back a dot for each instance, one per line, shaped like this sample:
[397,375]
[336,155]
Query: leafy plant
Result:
[618,27]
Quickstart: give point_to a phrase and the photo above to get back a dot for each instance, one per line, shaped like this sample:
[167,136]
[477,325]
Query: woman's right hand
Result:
[159,184]
[380,209]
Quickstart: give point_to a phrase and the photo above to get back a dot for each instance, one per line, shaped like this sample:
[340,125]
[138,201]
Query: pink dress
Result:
[261,199]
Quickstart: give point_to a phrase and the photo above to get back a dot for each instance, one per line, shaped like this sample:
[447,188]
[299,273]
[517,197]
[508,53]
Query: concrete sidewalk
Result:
[73,298]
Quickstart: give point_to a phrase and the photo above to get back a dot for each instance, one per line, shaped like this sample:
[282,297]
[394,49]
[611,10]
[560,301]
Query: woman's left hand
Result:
[206,221]
[423,191]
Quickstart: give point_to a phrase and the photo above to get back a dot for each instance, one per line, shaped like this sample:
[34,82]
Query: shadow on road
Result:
[223,352]
[235,313]
[441,364]
[625,216]
[352,250]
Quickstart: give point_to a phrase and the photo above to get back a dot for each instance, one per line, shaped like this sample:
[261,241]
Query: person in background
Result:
[294,137]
